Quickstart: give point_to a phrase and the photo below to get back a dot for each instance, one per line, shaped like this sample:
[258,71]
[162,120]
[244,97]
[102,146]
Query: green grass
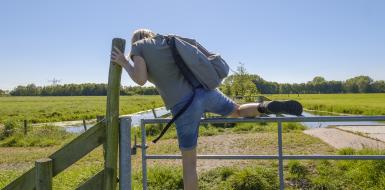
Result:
[65,108]
[359,104]
[20,160]
[318,175]
[17,160]
[12,135]
[153,130]
[344,174]
[48,109]
[233,178]
[248,139]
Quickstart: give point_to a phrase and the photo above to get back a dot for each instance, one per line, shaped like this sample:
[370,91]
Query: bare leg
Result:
[189,158]
[190,177]
[246,110]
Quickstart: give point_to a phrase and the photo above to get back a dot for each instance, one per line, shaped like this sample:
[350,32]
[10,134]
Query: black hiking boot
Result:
[290,107]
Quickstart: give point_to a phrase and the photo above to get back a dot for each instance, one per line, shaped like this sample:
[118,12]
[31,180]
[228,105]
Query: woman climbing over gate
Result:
[153,61]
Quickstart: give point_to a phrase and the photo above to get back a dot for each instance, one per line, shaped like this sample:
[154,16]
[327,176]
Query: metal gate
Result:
[126,154]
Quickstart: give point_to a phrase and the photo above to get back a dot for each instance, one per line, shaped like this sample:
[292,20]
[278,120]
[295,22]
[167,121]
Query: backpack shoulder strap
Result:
[188,76]
[177,115]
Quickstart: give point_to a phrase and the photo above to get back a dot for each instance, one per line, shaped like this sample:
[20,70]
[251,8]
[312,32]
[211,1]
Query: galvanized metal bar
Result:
[125,154]
[220,157]
[280,158]
[334,157]
[276,119]
[271,157]
[144,159]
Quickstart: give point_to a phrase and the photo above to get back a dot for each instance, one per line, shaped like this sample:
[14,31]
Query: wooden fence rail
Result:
[64,157]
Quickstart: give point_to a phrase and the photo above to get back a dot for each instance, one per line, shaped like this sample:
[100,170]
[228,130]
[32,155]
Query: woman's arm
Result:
[137,72]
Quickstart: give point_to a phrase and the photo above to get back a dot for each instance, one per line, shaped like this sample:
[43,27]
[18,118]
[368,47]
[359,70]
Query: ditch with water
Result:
[160,112]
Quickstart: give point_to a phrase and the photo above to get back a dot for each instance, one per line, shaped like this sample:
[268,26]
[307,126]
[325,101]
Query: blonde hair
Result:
[141,34]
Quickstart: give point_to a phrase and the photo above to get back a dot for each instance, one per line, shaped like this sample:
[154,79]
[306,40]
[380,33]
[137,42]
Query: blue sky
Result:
[283,41]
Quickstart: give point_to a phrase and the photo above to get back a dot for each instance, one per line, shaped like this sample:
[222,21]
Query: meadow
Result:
[17,160]
[66,108]
[19,152]
[214,174]
[356,104]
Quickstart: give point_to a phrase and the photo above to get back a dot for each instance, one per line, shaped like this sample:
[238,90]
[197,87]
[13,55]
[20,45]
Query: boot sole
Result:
[290,107]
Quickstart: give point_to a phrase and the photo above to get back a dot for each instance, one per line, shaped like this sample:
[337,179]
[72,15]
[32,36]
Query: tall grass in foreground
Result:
[319,175]
[224,178]
[343,174]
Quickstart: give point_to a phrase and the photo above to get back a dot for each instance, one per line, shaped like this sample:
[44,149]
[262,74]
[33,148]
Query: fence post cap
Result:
[42,160]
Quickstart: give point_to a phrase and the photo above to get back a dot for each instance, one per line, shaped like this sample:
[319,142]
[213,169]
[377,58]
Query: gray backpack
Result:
[208,68]
[199,67]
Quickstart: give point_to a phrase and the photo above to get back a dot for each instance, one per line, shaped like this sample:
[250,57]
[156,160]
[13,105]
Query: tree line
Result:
[239,84]
[244,84]
[86,89]
[3,92]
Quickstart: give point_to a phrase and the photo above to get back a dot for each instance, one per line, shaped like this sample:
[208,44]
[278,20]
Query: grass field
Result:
[215,174]
[239,139]
[358,104]
[48,109]
[242,139]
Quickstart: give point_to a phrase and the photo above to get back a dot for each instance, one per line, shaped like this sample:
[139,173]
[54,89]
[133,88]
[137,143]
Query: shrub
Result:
[350,174]
[224,125]
[298,174]
[243,127]
[162,177]
[153,129]
[215,179]
[346,151]
[321,183]
[230,178]
[287,127]
[9,129]
[254,178]
[208,130]
[297,170]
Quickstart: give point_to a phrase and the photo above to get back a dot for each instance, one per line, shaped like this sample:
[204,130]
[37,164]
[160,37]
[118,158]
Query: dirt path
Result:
[252,143]
[343,139]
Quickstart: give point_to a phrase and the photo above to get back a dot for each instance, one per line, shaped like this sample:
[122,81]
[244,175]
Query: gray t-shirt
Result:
[161,69]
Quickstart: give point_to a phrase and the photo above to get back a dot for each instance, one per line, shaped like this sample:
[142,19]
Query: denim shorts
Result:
[187,125]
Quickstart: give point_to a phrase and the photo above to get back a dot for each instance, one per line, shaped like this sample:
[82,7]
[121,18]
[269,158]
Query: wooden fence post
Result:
[153,112]
[99,118]
[25,127]
[112,120]
[43,174]
[84,124]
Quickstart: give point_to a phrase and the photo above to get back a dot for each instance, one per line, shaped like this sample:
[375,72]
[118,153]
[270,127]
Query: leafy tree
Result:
[378,86]
[359,84]
[2,92]
[240,84]
[318,80]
